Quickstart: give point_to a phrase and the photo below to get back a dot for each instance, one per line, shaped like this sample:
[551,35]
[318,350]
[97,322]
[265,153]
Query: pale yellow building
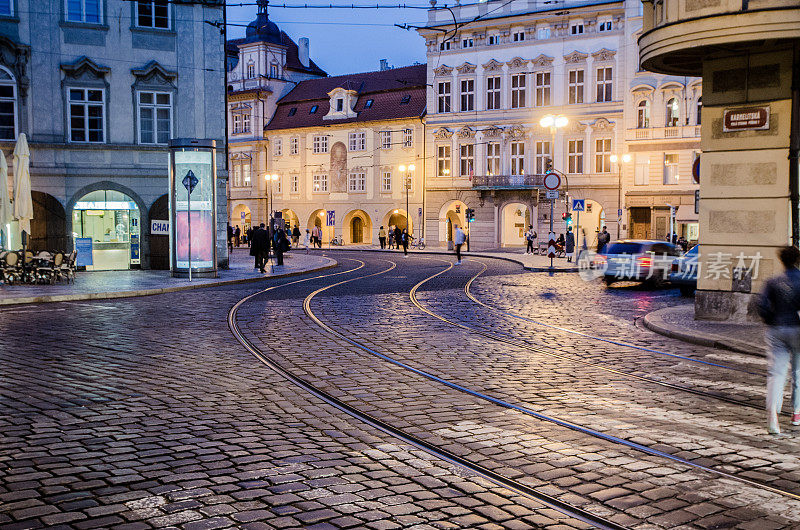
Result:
[747,54]
[336,148]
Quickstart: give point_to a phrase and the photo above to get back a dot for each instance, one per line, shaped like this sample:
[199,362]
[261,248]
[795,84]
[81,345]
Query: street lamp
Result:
[407,184]
[553,123]
[619,161]
[270,179]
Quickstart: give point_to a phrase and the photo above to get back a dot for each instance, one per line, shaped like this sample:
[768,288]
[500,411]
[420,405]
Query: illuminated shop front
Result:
[107,224]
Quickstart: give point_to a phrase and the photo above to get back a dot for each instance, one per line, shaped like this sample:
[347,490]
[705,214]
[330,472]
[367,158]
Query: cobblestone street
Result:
[346,398]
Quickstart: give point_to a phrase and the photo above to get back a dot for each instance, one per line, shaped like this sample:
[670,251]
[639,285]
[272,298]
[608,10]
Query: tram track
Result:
[545,499]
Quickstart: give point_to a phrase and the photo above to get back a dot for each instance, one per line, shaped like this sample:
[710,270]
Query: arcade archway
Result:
[357,228]
[515,218]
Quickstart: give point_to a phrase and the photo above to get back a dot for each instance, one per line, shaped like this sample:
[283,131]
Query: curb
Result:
[464,254]
[150,292]
[655,322]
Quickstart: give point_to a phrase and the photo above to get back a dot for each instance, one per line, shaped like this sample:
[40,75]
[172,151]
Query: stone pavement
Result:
[679,323]
[95,285]
[531,262]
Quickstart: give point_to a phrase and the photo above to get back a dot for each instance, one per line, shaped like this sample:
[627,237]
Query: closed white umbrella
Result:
[23,203]
[6,214]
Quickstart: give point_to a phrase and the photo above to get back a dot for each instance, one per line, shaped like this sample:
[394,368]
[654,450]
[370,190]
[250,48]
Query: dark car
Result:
[684,271]
[637,260]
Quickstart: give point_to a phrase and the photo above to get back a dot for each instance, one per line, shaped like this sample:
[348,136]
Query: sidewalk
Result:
[531,262]
[679,323]
[91,285]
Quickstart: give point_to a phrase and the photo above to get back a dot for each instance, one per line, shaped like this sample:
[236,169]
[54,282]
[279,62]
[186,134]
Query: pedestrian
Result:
[296,236]
[259,247]
[569,245]
[230,239]
[602,240]
[397,235]
[249,234]
[530,237]
[391,237]
[306,239]
[236,235]
[459,238]
[382,237]
[778,306]
[405,239]
[316,235]
[280,244]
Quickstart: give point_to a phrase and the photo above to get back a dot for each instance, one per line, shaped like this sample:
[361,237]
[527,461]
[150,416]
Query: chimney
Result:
[302,51]
[384,65]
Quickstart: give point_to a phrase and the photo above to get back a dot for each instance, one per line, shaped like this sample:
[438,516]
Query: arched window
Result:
[8,105]
[673,114]
[643,121]
[699,110]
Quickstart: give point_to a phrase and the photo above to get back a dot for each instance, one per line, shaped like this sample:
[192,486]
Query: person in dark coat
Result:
[280,245]
[237,232]
[569,245]
[602,240]
[398,234]
[296,236]
[249,234]
[230,239]
[260,247]
[405,239]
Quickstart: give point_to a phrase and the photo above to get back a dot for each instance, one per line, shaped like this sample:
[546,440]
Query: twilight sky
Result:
[346,40]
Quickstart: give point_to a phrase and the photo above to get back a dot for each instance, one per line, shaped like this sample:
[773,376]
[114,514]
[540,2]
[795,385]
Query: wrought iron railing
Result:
[508,181]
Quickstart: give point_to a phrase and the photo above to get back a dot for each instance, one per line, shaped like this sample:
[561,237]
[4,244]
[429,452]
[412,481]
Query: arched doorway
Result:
[291,218]
[241,217]
[515,218]
[49,224]
[592,220]
[110,220]
[317,218]
[357,227]
[451,214]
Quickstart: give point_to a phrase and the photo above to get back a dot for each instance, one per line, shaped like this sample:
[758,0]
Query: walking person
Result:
[397,235]
[405,239]
[280,244]
[778,306]
[296,236]
[530,237]
[391,237]
[230,239]
[306,239]
[316,236]
[602,240]
[459,237]
[569,244]
[237,233]
[382,237]
[259,247]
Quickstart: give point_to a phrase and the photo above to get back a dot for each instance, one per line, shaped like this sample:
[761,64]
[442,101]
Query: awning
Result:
[685,214]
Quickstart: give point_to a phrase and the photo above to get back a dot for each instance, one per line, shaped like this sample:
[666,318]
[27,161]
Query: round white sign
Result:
[552,181]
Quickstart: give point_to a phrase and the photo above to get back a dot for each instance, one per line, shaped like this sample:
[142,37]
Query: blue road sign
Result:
[331,218]
[578,205]
[190,181]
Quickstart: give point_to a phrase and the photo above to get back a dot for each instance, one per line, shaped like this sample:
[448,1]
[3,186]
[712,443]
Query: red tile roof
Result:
[387,90]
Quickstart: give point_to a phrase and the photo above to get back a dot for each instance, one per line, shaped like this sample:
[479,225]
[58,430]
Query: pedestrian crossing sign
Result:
[578,205]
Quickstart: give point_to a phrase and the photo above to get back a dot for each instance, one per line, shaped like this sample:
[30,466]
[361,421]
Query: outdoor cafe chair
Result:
[48,266]
[67,269]
[10,267]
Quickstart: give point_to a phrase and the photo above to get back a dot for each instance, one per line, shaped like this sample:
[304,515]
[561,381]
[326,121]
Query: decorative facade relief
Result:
[604,55]
[466,68]
[442,133]
[493,65]
[575,57]
[466,132]
[443,70]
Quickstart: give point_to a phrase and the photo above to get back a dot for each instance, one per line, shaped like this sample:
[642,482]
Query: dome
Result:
[262,28]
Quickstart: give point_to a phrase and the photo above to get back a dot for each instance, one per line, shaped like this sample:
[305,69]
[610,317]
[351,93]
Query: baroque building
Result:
[262,67]
[99,101]
[342,149]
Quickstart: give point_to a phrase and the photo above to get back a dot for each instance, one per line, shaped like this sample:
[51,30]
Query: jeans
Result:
[383,242]
[784,350]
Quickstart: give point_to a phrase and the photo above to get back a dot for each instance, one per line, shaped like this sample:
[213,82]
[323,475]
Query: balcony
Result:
[507,182]
[662,133]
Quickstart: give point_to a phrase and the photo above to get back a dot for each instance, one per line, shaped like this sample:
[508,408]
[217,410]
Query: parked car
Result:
[684,271]
[642,260]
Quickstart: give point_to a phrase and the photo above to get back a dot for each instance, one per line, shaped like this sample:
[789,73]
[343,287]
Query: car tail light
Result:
[675,267]
[600,260]
[644,261]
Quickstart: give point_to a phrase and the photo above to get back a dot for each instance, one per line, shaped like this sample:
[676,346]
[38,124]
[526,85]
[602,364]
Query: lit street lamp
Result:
[552,122]
[408,171]
[270,179]
[619,161]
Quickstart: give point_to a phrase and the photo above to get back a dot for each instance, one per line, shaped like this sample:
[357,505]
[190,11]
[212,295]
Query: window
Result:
[517,158]
[643,114]
[493,93]
[444,96]
[602,155]
[576,28]
[246,175]
[77,10]
[241,174]
[542,89]
[673,113]
[575,156]
[321,182]
[604,87]
[543,154]
[6,7]
[292,111]
[294,146]
[641,170]
[369,103]
[237,123]
[493,158]
[313,109]
[251,71]
[543,33]
[273,71]
[405,99]
[386,139]
[443,160]
[519,36]
[408,138]
[237,176]
[467,95]
[155,117]
[278,143]
[152,14]
[86,115]
[670,168]
[8,106]
[466,160]
[605,25]
[319,144]
[277,185]
[575,86]
[357,181]
[518,91]
[295,185]
[241,122]
[699,110]
[339,105]
[444,46]
[386,181]
[467,43]
[494,39]
[358,141]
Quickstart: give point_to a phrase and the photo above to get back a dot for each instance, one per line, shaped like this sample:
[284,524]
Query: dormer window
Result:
[406,99]
[251,71]
[368,104]
[339,105]
[292,111]
[313,109]
[342,103]
[273,71]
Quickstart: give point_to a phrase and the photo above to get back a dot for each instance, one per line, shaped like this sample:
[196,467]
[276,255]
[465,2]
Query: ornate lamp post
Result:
[270,179]
[407,172]
[553,123]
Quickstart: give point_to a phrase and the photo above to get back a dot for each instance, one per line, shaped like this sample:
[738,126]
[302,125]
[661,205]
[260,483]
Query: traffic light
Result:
[470,214]
[548,165]
[567,217]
